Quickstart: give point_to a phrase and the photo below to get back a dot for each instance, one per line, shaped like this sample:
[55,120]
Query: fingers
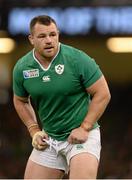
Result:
[73,140]
[78,136]
[37,141]
[40,147]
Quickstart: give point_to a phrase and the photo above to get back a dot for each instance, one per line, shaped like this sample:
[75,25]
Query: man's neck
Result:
[44,61]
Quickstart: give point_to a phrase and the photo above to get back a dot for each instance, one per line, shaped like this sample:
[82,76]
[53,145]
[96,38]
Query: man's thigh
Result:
[83,158]
[36,171]
[83,166]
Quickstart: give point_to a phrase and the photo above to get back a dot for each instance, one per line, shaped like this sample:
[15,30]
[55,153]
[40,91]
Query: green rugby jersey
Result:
[58,91]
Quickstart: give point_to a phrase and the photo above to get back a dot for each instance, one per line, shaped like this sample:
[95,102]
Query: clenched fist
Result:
[38,142]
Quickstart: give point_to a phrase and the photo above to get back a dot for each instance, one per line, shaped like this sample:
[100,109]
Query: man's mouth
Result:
[51,47]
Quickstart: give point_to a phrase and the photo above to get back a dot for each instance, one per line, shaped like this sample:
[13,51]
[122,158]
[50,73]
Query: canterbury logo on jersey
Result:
[46,78]
[59,69]
[32,73]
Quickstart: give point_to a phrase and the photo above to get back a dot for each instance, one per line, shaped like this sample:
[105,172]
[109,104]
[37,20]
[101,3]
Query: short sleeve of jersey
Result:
[88,70]
[18,87]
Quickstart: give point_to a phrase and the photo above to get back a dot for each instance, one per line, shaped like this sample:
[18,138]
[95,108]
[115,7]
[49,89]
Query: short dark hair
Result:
[42,19]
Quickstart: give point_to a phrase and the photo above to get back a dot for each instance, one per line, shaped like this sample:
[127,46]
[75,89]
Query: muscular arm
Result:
[100,99]
[26,113]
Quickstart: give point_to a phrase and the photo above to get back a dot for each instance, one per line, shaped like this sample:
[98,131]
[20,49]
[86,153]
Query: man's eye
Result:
[41,36]
[53,34]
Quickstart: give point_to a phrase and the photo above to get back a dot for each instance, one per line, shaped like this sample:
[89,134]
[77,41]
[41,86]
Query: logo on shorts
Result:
[32,73]
[59,69]
[79,146]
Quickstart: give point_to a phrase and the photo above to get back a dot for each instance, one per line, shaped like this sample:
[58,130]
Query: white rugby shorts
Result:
[59,153]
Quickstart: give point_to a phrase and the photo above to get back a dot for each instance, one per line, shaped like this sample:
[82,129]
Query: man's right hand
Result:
[38,142]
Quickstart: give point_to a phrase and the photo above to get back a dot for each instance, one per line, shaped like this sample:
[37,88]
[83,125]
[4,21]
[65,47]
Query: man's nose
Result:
[48,39]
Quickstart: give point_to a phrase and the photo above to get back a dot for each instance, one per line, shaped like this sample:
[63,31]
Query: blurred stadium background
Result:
[89,25]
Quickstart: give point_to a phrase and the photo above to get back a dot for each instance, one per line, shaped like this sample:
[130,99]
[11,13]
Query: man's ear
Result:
[30,37]
[58,32]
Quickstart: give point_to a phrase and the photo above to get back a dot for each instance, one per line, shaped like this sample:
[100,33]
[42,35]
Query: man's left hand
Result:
[78,136]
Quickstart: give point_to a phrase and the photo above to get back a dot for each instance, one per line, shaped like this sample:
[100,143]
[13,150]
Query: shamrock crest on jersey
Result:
[59,69]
